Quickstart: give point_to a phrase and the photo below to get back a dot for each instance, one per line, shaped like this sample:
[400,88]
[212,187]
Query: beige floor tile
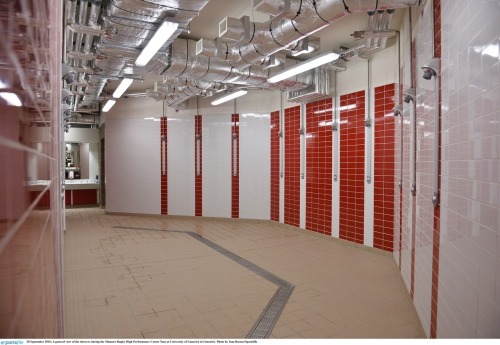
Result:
[180,332]
[133,283]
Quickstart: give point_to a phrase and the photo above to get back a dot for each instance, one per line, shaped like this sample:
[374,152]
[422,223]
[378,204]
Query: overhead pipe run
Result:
[296,19]
[109,34]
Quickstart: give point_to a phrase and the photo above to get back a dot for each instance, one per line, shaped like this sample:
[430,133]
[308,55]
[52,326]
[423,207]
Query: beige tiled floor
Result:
[129,283]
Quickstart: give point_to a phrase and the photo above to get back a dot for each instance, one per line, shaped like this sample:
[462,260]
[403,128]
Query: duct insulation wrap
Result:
[282,31]
[124,31]
[183,11]
[96,84]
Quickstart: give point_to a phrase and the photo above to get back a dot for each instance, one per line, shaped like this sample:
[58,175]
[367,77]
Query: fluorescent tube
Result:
[164,32]
[304,66]
[228,97]
[11,99]
[108,105]
[122,87]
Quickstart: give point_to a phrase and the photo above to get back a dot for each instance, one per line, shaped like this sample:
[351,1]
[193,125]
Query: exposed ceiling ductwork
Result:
[104,37]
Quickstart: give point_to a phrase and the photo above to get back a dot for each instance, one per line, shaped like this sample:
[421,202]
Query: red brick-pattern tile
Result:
[319,166]
[275,166]
[235,178]
[384,168]
[292,166]
[198,178]
[164,180]
[437,211]
[352,167]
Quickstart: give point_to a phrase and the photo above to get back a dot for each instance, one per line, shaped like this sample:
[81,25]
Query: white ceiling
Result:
[206,26]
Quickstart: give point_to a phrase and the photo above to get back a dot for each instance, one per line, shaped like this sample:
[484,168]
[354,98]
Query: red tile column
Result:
[198,151]
[319,166]
[413,199]
[352,162]
[275,166]
[292,166]
[437,210]
[235,161]
[163,155]
[384,165]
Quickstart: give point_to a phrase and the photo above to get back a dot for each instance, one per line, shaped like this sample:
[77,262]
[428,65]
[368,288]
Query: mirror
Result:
[82,154]
[72,164]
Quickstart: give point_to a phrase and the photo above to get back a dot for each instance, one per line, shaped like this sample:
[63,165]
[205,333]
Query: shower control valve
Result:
[368,123]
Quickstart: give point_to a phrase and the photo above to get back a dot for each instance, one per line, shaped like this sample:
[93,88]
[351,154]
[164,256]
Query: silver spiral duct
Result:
[195,70]
[104,37]
[294,20]
[110,48]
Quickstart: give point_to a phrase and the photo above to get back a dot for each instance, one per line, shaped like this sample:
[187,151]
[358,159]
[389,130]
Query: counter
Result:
[82,192]
[77,193]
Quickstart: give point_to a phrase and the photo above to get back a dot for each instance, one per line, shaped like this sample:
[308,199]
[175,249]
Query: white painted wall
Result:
[216,160]
[132,165]
[255,166]
[254,101]
[180,165]
[82,135]
[132,154]
[94,161]
[84,160]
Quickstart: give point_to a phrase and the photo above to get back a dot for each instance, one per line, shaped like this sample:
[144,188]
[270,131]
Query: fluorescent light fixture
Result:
[164,32]
[304,66]
[11,99]
[229,96]
[122,87]
[108,105]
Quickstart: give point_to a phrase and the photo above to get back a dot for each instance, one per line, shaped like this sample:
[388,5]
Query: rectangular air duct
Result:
[319,89]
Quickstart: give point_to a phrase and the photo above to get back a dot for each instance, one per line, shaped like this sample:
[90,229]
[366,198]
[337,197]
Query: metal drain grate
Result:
[269,316]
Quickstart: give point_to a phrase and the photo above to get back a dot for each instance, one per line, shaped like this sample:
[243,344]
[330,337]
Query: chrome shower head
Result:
[431,69]
[409,95]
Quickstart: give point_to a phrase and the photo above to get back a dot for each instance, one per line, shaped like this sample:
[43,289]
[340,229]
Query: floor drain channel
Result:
[269,316]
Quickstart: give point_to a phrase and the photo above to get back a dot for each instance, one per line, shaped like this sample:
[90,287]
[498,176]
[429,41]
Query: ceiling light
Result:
[164,32]
[11,99]
[108,105]
[304,66]
[229,96]
[122,87]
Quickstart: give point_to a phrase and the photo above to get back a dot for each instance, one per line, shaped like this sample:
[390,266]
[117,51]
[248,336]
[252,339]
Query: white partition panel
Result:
[255,166]
[180,162]
[216,161]
[132,166]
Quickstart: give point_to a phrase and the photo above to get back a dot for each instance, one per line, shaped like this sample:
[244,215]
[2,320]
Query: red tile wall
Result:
[275,166]
[292,166]
[437,210]
[198,178]
[384,168]
[164,183]
[352,171]
[319,166]
[235,180]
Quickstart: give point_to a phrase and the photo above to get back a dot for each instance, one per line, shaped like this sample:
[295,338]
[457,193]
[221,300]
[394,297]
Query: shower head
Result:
[398,110]
[431,69]
[68,73]
[67,97]
[409,95]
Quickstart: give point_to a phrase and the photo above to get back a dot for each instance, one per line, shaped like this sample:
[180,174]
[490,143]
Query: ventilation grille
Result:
[223,27]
